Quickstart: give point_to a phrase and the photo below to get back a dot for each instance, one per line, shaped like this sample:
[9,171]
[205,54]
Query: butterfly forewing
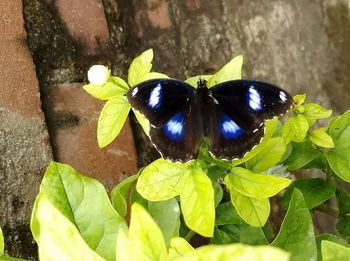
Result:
[160,99]
[249,103]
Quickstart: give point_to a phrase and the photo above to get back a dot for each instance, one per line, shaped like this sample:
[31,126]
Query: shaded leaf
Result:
[303,153]
[119,194]
[226,214]
[167,216]
[296,234]
[315,191]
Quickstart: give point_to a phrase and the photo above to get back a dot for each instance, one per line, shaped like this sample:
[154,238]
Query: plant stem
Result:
[189,235]
[328,210]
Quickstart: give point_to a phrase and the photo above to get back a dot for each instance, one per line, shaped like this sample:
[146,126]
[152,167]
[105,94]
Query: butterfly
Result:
[230,114]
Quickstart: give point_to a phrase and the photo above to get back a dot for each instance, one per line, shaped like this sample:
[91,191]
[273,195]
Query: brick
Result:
[24,143]
[85,21]
[73,116]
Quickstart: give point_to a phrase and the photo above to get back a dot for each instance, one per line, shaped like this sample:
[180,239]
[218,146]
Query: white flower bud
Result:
[98,74]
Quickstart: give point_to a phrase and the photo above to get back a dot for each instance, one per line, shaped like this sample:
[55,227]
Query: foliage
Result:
[226,202]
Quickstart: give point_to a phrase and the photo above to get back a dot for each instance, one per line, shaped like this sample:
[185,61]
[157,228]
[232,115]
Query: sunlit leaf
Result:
[140,67]
[111,120]
[332,251]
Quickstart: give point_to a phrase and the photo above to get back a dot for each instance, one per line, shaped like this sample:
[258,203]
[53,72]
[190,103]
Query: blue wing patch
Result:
[229,129]
[254,99]
[174,129]
[155,97]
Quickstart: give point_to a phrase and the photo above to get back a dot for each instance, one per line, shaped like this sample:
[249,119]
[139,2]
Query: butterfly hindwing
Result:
[227,140]
[249,103]
[179,138]
[160,99]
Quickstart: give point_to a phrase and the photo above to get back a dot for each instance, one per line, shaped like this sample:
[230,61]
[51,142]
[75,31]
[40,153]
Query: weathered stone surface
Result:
[72,115]
[24,145]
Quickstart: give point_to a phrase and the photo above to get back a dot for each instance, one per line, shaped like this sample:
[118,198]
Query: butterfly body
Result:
[231,114]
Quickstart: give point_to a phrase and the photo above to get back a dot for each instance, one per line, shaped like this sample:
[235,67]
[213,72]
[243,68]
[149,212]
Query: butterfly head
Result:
[202,84]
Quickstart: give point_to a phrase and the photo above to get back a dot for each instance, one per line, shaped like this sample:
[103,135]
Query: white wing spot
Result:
[134,91]
[283,96]
[254,99]
[155,97]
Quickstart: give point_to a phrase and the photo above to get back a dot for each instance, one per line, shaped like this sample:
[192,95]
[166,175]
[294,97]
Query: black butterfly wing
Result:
[180,137]
[159,99]
[249,103]
[173,112]
[227,140]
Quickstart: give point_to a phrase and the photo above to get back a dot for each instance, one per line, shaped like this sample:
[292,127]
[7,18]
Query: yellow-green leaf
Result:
[321,138]
[114,87]
[255,185]
[179,247]
[254,211]
[159,180]
[139,67]
[230,71]
[332,251]
[197,201]
[111,120]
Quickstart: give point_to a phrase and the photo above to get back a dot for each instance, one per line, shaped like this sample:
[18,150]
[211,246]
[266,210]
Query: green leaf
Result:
[343,199]
[226,214]
[269,130]
[222,238]
[237,252]
[84,202]
[254,211]
[2,244]
[215,172]
[153,75]
[332,251]
[194,80]
[7,258]
[167,216]
[145,240]
[159,180]
[343,226]
[314,112]
[142,120]
[179,247]
[321,138]
[328,237]
[230,71]
[270,154]
[111,120]
[296,234]
[303,153]
[315,191]
[56,235]
[295,128]
[255,185]
[339,157]
[245,234]
[218,193]
[299,99]
[140,67]
[113,88]
[197,201]
[119,194]
[135,197]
